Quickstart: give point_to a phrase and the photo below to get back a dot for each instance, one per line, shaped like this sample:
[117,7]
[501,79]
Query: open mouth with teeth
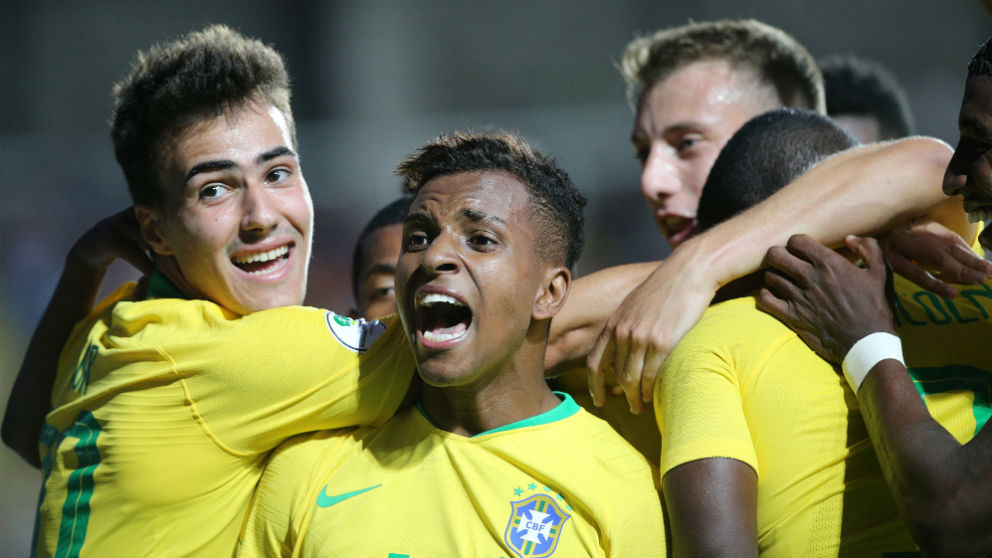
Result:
[261,263]
[441,319]
[678,229]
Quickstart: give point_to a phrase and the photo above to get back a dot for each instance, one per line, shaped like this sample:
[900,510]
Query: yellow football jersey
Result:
[562,483]
[741,385]
[164,409]
[641,431]
[945,344]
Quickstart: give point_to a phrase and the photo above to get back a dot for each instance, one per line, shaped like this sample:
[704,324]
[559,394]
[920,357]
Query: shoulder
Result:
[731,331]
[599,444]
[735,319]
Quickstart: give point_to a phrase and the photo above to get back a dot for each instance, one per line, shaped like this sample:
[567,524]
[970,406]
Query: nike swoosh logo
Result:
[325,501]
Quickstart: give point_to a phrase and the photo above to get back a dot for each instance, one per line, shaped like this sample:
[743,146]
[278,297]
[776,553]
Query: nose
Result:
[659,177]
[441,255]
[259,214]
[955,177]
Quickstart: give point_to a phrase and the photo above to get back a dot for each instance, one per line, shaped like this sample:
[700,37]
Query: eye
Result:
[213,191]
[687,142]
[382,292]
[482,241]
[277,175]
[415,240]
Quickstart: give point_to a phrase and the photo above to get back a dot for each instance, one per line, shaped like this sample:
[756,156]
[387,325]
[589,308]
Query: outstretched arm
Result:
[863,191]
[942,487]
[114,237]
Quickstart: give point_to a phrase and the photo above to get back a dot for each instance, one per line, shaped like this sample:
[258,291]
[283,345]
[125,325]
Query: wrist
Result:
[699,262]
[868,352]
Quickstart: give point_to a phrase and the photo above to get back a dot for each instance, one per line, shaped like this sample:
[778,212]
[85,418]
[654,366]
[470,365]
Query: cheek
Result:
[300,209]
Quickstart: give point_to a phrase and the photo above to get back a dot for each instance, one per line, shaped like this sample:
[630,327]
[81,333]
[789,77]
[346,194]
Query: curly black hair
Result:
[558,204]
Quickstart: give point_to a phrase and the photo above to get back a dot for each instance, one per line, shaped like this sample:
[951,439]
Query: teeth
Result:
[436,337]
[983,215]
[432,298]
[261,257]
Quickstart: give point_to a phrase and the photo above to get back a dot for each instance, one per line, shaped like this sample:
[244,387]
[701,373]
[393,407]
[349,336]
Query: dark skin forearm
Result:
[942,488]
[29,400]
[116,237]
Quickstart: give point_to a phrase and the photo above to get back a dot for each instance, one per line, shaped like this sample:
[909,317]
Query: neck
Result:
[512,394]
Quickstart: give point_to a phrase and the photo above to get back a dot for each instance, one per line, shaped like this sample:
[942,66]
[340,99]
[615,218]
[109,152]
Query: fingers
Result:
[965,266]
[137,257]
[652,367]
[630,376]
[627,359]
[783,260]
[601,354]
[920,276]
[781,285]
[772,304]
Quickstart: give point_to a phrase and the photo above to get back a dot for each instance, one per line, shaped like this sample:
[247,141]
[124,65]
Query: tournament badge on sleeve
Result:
[535,526]
[356,335]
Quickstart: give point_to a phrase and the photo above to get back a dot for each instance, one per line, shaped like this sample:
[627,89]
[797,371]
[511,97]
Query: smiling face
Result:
[471,286]
[682,123]
[969,174]
[237,217]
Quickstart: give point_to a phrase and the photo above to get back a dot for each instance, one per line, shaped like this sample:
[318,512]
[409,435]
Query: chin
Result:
[440,376]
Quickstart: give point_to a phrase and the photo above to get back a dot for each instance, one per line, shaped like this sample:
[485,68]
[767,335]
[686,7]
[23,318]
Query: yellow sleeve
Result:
[278,510]
[698,401]
[277,373]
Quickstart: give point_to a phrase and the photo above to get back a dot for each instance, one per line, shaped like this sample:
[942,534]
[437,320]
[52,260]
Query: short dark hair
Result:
[775,58]
[768,152]
[173,85]
[393,214]
[861,87]
[557,203]
[981,62]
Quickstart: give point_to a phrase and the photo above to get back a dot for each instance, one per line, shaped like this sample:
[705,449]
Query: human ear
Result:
[149,223]
[552,294]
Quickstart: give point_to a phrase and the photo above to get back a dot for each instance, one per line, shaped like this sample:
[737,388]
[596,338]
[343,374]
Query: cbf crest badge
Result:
[535,526]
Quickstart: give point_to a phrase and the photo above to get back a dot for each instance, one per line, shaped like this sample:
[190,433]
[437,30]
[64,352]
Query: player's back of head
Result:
[557,206]
[176,84]
[774,57]
[767,153]
[859,87]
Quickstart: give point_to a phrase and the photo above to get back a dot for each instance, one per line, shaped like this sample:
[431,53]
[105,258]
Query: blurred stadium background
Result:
[372,81]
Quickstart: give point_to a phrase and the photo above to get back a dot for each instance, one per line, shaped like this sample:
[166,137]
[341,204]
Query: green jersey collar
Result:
[563,410]
[160,287]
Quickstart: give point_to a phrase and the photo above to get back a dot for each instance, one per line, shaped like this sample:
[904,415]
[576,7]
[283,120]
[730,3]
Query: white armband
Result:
[867,352]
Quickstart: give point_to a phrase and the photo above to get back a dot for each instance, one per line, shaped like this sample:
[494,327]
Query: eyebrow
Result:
[223,164]
[476,215]
[417,217]
[379,268]
[679,127]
